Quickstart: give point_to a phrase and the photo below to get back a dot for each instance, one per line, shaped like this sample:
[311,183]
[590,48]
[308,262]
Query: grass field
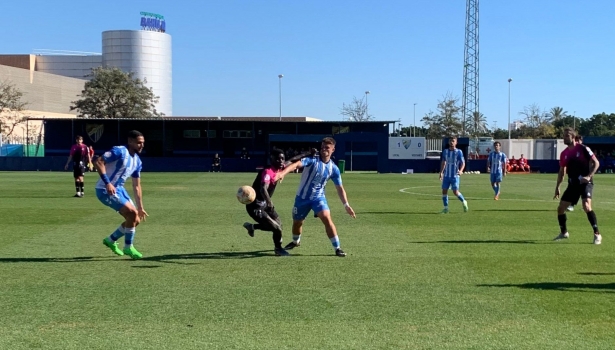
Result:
[413,279]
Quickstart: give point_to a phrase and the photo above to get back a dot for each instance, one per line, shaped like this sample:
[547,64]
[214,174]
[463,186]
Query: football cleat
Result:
[280,252]
[292,245]
[113,246]
[132,252]
[570,208]
[497,197]
[339,252]
[561,236]
[597,238]
[248,226]
[465,206]
[444,211]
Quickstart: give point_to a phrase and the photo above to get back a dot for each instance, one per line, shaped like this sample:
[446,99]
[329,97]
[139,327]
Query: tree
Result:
[10,108]
[356,110]
[447,122]
[535,120]
[115,94]
[557,113]
[477,124]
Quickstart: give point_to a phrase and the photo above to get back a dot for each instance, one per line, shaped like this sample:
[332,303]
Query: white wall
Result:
[72,66]
[148,55]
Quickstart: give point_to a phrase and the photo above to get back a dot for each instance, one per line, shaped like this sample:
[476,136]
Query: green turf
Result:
[413,279]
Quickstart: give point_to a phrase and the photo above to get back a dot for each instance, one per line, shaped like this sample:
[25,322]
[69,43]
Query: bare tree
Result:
[356,110]
[10,108]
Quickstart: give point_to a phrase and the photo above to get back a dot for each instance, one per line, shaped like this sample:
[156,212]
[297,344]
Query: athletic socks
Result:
[117,234]
[129,236]
[335,242]
[591,216]
[562,222]
[445,200]
[81,186]
[496,189]
[296,238]
[77,186]
[460,196]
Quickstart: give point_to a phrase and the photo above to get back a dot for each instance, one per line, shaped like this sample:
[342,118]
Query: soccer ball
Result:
[246,195]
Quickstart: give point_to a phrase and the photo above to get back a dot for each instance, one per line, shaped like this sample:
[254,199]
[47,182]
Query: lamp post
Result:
[414,122]
[574,120]
[280,76]
[509,143]
[366,114]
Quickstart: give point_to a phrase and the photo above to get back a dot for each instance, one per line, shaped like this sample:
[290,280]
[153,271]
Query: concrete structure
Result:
[74,66]
[148,55]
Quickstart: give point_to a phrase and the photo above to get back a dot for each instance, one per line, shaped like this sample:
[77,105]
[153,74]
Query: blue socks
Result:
[496,189]
[335,241]
[460,196]
[130,236]
[117,234]
[445,200]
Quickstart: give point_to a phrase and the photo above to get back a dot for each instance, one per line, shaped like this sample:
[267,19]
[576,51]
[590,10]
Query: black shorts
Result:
[575,191]
[78,169]
[259,213]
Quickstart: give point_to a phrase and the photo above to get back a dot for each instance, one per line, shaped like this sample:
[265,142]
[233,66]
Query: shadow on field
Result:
[488,241]
[205,256]
[57,260]
[597,273]
[400,212]
[561,286]
[552,209]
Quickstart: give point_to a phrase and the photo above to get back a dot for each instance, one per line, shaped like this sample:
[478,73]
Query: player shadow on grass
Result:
[490,241]
[56,260]
[401,212]
[561,286]
[172,258]
[513,210]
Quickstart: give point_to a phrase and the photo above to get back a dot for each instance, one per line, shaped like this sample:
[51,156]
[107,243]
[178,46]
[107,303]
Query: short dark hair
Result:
[78,137]
[133,134]
[497,143]
[453,138]
[275,152]
[329,141]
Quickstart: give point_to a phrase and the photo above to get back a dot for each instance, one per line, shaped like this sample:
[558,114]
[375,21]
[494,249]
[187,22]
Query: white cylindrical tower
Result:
[148,55]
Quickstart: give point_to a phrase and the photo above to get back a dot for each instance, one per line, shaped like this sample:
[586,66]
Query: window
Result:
[237,134]
[192,134]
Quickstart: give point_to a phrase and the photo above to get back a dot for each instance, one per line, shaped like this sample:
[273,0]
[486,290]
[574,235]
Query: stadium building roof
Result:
[231,119]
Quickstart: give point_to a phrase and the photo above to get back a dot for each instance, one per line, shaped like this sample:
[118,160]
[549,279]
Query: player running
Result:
[311,193]
[122,162]
[452,167]
[496,165]
[78,154]
[262,209]
[580,163]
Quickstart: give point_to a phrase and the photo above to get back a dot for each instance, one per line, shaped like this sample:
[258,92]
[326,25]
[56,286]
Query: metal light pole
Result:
[366,114]
[509,143]
[414,122]
[280,76]
[574,120]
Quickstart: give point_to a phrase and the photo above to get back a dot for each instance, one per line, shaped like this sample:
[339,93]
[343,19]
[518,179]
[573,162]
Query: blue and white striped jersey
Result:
[495,161]
[120,165]
[454,159]
[315,176]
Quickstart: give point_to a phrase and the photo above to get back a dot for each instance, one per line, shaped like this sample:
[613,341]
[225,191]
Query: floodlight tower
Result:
[470,64]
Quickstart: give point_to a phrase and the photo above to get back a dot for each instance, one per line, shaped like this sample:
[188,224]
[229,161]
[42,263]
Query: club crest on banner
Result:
[94,131]
[406,143]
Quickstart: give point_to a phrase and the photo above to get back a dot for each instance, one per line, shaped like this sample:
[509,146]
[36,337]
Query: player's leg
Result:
[122,203]
[301,209]
[570,197]
[586,196]
[78,178]
[455,188]
[325,217]
[445,186]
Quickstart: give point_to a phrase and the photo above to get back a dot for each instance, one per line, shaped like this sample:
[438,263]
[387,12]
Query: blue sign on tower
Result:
[153,22]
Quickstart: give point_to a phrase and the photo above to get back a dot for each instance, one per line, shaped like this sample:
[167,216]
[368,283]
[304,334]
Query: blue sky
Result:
[227,54]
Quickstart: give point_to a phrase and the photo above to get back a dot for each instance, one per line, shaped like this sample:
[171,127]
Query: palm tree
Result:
[557,113]
[477,124]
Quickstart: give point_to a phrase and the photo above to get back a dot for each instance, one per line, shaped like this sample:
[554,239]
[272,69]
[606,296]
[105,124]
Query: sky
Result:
[227,54]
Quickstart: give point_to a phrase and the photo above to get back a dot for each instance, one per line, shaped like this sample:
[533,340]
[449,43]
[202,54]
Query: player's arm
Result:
[442,167]
[70,158]
[136,188]
[595,165]
[463,163]
[489,163]
[289,169]
[102,172]
[342,194]
[560,178]
[265,193]
[310,153]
